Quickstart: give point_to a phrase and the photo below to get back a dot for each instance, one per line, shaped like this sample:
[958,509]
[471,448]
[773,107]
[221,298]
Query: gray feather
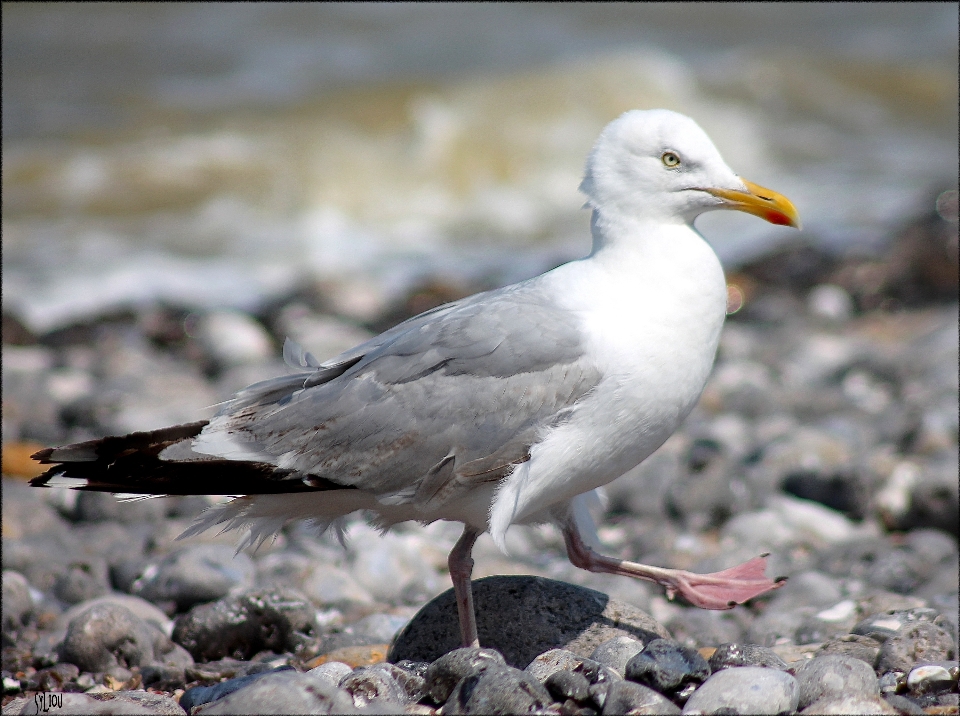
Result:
[451,398]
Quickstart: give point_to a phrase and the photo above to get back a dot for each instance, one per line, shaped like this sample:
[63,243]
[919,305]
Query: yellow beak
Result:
[768,205]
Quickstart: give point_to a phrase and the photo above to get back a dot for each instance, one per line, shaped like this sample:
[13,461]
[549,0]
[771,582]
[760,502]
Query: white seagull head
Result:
[657,165]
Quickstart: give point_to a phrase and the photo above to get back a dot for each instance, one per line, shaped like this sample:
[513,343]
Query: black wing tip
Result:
[43,456]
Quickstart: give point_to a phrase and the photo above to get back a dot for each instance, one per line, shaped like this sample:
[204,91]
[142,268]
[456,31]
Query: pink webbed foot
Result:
[723,590]
[720,590]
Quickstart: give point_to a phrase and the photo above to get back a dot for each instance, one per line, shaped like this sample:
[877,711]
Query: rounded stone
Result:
[731,655]
[108,635]
[71,703]
[745,690]
[195,574]
[834,675]
[852,704]
[332,672]
[918,642]
[929,678]
[865,648]
[666,666]
[274,619]
[521,617]
[147,611]
[284,692]
[498,690]
[627,697]
[412,681]
[564,685]
[206,694]
[159,704]
[372,629]
[380,683]
[616,652]
[17,602]
[82,580]
[446,672]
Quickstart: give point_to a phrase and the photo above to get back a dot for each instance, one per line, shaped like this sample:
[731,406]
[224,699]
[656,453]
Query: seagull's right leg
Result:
[461,567]
[720,590]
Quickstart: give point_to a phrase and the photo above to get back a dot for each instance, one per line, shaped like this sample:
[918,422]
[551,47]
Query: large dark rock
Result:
[522,617]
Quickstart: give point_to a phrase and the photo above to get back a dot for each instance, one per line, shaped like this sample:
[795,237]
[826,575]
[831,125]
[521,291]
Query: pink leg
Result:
[461,567]
[720,590]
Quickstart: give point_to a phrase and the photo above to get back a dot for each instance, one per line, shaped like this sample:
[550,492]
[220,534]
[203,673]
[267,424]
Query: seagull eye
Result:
[670,159]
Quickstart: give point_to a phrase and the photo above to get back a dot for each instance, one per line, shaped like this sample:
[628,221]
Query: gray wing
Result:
[451,398]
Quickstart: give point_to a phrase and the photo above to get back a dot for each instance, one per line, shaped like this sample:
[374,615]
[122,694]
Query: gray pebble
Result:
[903,705]
[932,678]
[833,675]
[53,678]
[82,580]
[552,661]
[745,690]
[332,672]
[883,625]
[731,655]
[150,613]
[413,682]
[776,626]
[372,629]
[807,589]
[70,703]
[865,648]
[41,558]
[216,671]
[195,574]
[564,685]
[205,694]
[285,692]
[108,635]
[377,685]
[626,697]
[666,666]
[616,652]
[163,677]
[702,627]
[852,704]
[332,586]
[498,690]
[919,642]
[446,672]
[17,602]
[154,703]
[880,602]
[521,617]
[272,619]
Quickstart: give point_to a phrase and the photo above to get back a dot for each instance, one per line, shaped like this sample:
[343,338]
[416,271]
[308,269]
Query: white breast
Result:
[651,318]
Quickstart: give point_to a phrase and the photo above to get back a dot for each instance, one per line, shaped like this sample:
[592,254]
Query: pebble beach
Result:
[187,185]
[826,436]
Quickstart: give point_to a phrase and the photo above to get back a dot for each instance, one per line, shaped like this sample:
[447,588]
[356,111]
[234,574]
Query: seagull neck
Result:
[619,238]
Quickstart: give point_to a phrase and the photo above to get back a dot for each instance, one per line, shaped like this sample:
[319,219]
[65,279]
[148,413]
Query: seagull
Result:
[507,407]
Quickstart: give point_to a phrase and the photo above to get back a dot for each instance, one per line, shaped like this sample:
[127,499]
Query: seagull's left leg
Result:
[720,590]
[461,567]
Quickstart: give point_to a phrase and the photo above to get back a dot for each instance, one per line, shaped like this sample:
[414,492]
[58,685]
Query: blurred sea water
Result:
[220,155]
